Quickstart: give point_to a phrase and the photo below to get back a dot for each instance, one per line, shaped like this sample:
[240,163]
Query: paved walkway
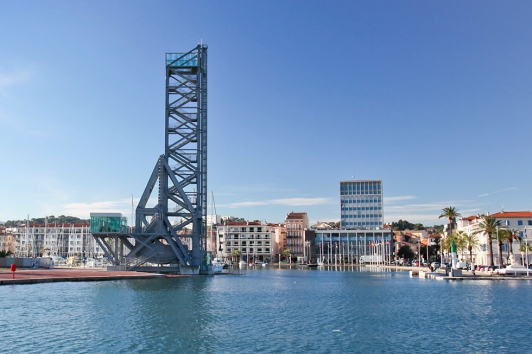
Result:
[468,275]
[33,276]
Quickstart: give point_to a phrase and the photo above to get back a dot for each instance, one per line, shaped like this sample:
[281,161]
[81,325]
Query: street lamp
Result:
[526,250]
[498,255]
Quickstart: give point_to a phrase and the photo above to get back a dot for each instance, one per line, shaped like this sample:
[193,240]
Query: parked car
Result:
[461,265]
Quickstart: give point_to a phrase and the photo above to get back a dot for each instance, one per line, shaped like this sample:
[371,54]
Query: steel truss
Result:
[180,175]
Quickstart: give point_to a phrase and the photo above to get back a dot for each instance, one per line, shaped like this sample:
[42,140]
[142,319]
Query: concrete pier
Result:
[34,276]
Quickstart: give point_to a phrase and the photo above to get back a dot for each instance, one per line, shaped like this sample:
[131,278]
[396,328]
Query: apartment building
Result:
[296,224]
[37,240]
[253,240]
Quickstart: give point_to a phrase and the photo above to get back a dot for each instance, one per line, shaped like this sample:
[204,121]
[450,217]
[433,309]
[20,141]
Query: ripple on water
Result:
[275,311]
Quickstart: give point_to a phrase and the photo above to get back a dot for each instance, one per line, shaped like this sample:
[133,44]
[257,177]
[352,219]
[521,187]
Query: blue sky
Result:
[432,97]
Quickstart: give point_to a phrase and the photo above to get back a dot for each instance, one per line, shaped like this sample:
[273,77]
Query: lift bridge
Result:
[181,177]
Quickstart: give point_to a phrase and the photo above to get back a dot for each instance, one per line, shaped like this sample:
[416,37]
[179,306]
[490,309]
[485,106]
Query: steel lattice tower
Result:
[180,175]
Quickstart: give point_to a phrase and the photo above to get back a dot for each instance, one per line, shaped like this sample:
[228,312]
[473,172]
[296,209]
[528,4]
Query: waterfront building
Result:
[63,240]
[280,240]
[517,221]
[7,240]
[253,240]
[348,246]
[296,224]
[361,204]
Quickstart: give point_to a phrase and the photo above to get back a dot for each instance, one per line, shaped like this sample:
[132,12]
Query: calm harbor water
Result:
[269,310]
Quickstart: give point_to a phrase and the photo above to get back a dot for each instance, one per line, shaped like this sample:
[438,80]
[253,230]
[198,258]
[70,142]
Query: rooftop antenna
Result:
[354,175]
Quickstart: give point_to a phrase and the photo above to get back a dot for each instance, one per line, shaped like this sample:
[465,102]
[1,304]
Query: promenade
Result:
[34,276]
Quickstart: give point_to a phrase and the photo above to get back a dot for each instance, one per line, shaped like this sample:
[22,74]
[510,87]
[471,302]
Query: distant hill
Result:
[50,219]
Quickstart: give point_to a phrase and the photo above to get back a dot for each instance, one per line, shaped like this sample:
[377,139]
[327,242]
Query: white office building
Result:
[361,204]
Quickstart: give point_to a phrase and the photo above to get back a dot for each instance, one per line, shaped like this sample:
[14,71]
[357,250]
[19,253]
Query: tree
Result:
[405,252]
[488,225]
[458,241]
[509,236]
[236,254]
[450,213]
[472,243]
[525,246]
[438,228]
[286,253]
[4,253]
[402,225]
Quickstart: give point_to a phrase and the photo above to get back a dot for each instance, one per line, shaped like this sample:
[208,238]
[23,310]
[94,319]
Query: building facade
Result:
[296,224]
[253,241]
[348,246]
[517,221]
[361,204]
[7,241]
[63,240]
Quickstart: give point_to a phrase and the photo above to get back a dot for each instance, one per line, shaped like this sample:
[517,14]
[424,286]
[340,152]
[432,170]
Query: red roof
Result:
[512,214]
[243,223]
[296,215]
[471,218]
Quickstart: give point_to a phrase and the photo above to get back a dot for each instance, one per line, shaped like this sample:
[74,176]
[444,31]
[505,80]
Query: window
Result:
[529,222]
[520,222]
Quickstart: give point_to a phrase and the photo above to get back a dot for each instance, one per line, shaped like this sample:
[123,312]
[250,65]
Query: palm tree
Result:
[450,213]
[472,243]
[509,236]
[236,254]
[488,225]
[523,249]
[458,239]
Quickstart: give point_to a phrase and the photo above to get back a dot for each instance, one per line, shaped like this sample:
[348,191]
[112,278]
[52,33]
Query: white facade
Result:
[253,240]
[516,221]
[213,220]
[361,204]
[55,240]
